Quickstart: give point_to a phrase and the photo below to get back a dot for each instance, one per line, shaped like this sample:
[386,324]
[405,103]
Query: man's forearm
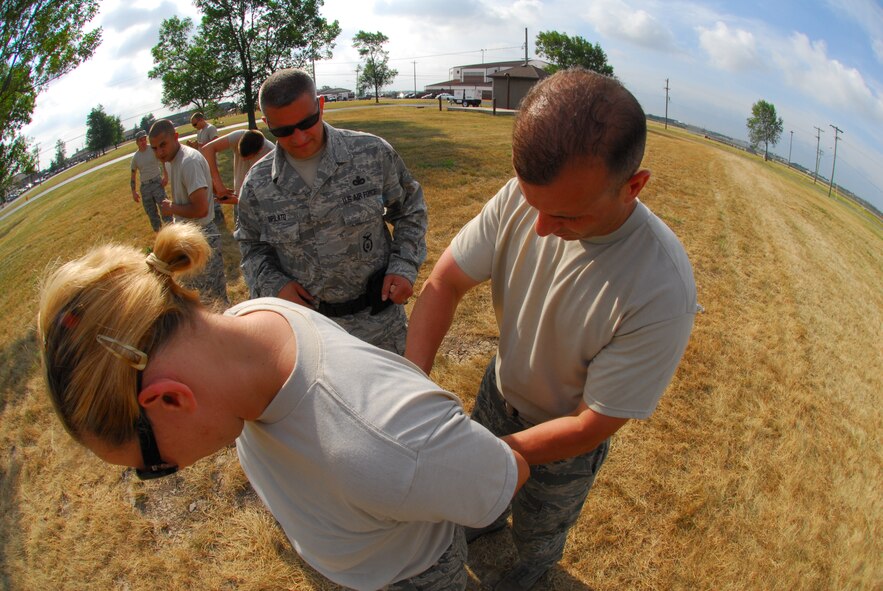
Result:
[429,323]
[564,437]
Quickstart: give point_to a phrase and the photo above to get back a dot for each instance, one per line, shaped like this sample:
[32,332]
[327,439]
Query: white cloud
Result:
[733,50]
[806,66]
[878,49]
[615,18]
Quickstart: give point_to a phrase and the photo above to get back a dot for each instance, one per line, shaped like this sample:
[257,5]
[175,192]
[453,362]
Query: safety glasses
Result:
[302,125]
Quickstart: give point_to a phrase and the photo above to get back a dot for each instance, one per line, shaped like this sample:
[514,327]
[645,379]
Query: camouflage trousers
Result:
[386,330]
[448,574]
[549,503]
[152,194]
[211,282]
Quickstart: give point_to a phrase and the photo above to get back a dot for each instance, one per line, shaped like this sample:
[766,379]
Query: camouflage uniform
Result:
[188,172]
[333,236]
[448,574]
[549,503]
[152,194]
[211,282]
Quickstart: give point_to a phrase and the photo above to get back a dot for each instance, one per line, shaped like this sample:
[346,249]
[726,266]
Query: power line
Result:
[818,153]
[837,132]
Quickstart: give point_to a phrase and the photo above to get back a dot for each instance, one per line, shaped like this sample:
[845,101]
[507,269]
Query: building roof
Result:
[458,83]
[531,72]
[506,64]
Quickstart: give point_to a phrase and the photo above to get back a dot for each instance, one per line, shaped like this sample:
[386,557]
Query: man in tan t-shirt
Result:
[153,182]
[594,297]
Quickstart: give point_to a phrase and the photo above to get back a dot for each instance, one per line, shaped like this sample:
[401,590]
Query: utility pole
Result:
[837,132]
[482,55]
[666,103]
[525,46]
[790,145]
[415,78]
[818,137]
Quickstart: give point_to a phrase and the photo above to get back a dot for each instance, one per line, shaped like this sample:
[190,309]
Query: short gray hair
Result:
[284,87]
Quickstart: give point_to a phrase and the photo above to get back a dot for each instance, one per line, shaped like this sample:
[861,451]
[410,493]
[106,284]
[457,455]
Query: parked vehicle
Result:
[445,96]
[428,95]
[468,97]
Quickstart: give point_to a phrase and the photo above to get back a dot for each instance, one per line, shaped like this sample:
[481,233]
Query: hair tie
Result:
[158,264]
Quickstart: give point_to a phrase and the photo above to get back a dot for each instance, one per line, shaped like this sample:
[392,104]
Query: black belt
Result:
[344,308]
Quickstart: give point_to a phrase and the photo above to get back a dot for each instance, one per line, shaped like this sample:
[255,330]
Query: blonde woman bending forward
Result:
[370,468]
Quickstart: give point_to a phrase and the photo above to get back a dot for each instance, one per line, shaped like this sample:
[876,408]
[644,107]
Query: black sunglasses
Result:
[302,125]
[154,467]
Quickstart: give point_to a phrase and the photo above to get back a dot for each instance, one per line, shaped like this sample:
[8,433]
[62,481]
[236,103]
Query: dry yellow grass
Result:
[759,470]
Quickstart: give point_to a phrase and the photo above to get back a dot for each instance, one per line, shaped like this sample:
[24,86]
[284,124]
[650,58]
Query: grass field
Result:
[761,468]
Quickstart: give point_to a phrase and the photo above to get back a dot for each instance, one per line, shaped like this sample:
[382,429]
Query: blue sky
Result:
[820,62]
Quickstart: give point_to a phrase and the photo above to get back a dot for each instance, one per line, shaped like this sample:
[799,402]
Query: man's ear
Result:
[636,184]
[168,395]
[322,102]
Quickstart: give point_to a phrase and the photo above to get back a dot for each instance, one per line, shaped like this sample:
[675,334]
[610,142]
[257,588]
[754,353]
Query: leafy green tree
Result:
[146,122]
[375,71]
[40,41]
[257,37]
[566,52]
[60,156]
[764,126]
[189,69]
[102,130]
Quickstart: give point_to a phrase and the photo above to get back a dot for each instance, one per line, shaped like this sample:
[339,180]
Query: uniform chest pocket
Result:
[367,211]
[280,230]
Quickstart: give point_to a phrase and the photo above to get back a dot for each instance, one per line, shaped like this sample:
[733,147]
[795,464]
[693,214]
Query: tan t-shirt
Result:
[188,172]
[242,165]
[147,164]
[604,320]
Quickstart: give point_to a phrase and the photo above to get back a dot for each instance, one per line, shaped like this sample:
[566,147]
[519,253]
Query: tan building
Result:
[510,86]
[477,78]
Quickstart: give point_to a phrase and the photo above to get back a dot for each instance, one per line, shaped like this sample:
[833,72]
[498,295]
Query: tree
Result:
[376,71]
[566,52]
[189,70]
[60,156]
[764,126]
[147,122]
[257,37]
[102,130]
[40,41]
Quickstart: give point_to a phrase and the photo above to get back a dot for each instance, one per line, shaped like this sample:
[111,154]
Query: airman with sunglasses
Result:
[313,218]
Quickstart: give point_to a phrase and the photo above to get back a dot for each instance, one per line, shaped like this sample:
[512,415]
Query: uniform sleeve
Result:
[464,474]
[133,165]
[406,211]
[194,178]
[474,245]
[260,264]
[628,376]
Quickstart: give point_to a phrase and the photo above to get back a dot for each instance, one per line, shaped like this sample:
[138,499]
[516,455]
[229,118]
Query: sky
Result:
[819,62]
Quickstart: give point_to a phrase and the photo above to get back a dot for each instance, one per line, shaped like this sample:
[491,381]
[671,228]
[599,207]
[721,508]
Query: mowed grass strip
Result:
[760,468]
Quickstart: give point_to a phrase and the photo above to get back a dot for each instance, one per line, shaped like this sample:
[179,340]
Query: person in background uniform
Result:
[594,297]
[206,132]
[369,467]
[153,182]
[248,146]
[191,196]
[313,218]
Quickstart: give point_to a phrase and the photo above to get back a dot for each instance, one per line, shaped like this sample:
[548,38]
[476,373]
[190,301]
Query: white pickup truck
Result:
[468,97]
